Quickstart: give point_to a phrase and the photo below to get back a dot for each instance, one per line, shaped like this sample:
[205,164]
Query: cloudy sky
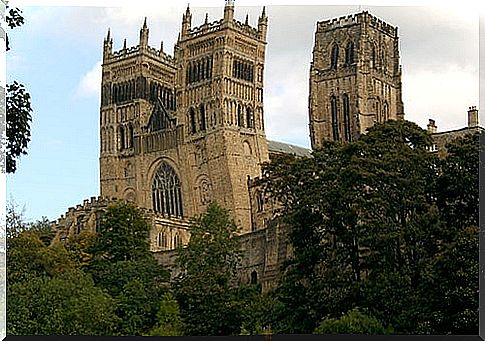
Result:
[57,55]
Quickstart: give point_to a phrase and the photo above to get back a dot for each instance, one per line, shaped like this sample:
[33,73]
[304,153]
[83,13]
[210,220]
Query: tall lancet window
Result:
[334,108]
[334,57]
[348,136]
[167,192]
[349,54]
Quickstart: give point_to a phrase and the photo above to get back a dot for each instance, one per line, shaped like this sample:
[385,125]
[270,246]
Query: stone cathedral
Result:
[178,132]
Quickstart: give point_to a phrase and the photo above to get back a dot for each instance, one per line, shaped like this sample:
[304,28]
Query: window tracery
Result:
[167,191]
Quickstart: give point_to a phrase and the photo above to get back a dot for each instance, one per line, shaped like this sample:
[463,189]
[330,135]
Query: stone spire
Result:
[144,35]
[229,11]
[263,24]
[108,45]
[186,21]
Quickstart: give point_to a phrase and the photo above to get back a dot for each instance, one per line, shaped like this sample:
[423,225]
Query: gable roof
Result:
[275,147]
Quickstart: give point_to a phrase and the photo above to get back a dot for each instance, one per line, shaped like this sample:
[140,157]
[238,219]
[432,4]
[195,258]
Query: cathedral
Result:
[178,132]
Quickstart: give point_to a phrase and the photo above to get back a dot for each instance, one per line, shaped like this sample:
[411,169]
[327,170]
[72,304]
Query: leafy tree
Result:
[68,304]
[353,322]
[169,322]
[363,224]
[208,304]
[121,262]
[458,185]
[455,267]
[123,234]
[46,292]
[19,108]
[260,311]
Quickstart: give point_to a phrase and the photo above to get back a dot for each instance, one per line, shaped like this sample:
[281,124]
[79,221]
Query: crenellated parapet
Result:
[83,217]
[166,232]
[135,51]
[354,19]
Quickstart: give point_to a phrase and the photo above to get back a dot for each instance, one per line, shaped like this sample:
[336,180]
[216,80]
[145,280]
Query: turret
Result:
[263,24]
[108,45]
[186,22]
[229,11]
[144,35]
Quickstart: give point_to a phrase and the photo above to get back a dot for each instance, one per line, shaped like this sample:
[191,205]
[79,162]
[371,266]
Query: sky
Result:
[57,55]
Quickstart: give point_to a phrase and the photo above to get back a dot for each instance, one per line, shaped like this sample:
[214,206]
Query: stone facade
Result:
[177,132]
[355,77]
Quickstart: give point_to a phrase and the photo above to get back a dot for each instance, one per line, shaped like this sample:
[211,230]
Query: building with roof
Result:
[178,132]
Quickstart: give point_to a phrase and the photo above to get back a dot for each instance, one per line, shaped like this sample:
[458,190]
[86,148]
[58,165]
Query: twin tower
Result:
[178,132]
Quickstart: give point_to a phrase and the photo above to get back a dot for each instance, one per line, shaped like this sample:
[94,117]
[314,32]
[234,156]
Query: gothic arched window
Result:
[334,57]
[349,54]
[130,136]
[167,191]
[385,111]
[373,56]
[177,241]
[334,108]
[348,136]
[162,240]
[202,117]
[122,137]
[249,118]
[193,128]
[239,116]
[254,277]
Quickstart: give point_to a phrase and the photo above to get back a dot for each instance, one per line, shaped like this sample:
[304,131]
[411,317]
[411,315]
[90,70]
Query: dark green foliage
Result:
[19,108]
[207,302]
[169,322]
[454,269]
[122,264]
[123,234]
[260,311]
[353,322]
[67,304]
[18,123]
[370,229]
[458,187]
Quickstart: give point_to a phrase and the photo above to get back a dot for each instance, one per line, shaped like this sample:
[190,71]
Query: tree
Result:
[47,293]
[19,108]
[363,224]
[208,303]
[455,267]
[121,263]
[353,322]
[123,234]
[67,304]
[169,322]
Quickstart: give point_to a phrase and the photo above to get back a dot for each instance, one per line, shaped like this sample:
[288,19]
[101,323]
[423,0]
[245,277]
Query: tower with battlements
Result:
[178,132]
[355,77]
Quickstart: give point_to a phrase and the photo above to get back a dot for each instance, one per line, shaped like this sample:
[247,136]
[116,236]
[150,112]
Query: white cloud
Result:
[441,95]
[90,83]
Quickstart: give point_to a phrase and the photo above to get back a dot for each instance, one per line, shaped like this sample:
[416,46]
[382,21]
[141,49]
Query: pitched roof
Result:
[275,147]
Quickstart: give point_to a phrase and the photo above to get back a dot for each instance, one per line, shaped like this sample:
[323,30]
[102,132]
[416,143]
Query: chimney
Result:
[432,128]
[472,117]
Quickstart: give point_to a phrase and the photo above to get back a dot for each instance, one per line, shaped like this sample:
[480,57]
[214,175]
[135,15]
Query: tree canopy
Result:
[368,227]
[208,304]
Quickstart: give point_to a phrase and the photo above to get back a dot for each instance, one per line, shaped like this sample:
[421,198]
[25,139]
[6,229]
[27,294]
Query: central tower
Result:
[179,132]
[355,77]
